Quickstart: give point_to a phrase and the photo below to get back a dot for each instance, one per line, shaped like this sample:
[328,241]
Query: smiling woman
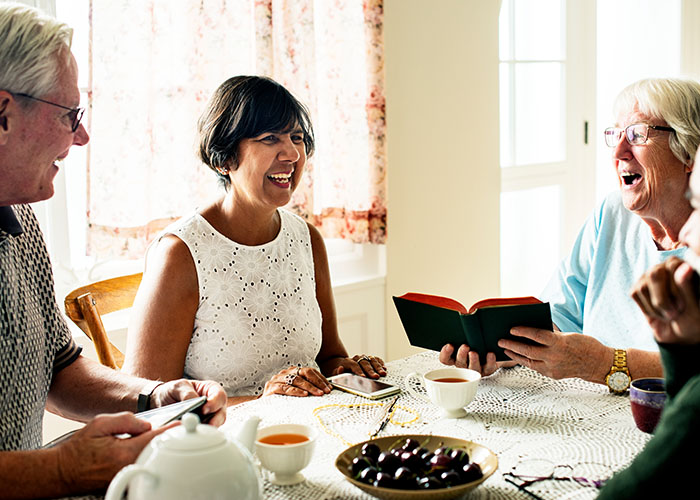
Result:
[654,140]
[241,289]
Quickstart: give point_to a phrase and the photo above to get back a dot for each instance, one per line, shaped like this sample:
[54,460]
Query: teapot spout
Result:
[246,436]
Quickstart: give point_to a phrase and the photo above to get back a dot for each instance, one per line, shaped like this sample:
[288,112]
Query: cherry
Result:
[405,478]
[370,451]
[411,461]
[471,472]
[429,483]
[441,461]
[385,480]
[358,465]
[450,478]
[368,475]
[460,456]
[388,462]
[410,444]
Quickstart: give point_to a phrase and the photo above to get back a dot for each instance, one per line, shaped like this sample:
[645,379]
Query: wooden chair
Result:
[84,306]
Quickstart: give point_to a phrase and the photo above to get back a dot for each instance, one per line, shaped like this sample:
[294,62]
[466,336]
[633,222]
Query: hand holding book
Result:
[431,321]
[464,357]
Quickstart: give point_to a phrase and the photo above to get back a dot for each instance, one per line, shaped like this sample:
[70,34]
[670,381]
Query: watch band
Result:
[620,359]
[144,400]
[618,379]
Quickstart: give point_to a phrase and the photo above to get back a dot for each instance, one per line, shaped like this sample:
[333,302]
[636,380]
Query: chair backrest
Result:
[84,306]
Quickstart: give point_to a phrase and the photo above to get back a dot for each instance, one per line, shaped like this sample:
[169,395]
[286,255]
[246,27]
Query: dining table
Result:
[517,413]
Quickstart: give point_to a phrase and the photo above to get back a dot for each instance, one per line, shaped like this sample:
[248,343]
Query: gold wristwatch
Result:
[618,379]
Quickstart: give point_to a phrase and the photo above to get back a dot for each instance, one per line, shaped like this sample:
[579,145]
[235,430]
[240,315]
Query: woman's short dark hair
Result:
[244,107]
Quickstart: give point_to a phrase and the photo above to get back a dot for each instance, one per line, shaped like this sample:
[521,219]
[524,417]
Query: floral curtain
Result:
[154,64]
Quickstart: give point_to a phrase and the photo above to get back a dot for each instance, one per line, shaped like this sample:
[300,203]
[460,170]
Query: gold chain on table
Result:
[331,432]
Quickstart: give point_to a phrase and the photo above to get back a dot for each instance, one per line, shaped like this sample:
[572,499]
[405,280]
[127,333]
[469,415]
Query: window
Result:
[662,58]
[563,62]
[547,98]
[167,92]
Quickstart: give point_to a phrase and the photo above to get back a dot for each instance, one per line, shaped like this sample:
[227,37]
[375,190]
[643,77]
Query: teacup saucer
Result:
[287,480]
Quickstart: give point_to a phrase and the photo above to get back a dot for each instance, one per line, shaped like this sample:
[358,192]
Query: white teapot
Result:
[193,461]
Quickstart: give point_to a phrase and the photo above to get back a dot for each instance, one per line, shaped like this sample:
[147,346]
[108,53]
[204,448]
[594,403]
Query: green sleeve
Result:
[680,365]
[666,467]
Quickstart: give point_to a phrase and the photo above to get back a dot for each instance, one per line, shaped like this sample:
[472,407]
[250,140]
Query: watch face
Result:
[618,381]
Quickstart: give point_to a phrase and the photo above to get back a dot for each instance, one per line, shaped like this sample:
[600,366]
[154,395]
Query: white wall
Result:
[443,152]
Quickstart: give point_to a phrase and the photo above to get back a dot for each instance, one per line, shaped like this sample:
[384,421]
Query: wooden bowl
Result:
[480,454]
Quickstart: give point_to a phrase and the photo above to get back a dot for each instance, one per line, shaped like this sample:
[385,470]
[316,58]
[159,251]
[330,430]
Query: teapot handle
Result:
[121,481]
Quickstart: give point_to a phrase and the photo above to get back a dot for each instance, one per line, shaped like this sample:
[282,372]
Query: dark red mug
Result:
[647,399]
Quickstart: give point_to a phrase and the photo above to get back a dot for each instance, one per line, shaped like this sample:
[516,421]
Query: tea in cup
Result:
[647,399]
[449,388]
[285,450]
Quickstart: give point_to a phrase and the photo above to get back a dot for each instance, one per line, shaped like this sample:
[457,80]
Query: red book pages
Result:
[447,303]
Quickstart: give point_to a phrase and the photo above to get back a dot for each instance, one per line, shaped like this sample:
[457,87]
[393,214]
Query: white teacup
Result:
[285,460]
[449,388]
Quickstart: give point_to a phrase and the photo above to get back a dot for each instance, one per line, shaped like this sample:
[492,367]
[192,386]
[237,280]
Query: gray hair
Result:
[32,48]
[673,100]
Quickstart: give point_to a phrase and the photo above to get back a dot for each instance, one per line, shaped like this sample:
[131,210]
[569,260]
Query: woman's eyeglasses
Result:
[636,134]
[530,476]
[75,115]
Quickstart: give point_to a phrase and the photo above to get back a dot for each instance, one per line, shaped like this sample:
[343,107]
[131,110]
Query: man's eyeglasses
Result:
[530,476]
[636,134]
[76,114]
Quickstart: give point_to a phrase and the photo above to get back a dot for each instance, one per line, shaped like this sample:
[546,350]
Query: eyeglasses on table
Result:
[534,477]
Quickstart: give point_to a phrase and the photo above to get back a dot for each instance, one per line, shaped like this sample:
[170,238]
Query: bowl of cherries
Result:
[416,466]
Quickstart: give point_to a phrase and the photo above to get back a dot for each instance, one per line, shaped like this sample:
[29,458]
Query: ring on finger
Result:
[365,358]
[296,374]
[290,378]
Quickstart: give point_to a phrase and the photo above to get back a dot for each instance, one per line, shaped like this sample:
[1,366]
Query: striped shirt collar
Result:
[9,225]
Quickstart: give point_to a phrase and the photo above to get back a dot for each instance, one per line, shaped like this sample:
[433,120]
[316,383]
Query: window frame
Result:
[575,174]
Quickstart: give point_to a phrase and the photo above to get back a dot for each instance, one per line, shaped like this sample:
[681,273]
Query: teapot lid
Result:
[191,436]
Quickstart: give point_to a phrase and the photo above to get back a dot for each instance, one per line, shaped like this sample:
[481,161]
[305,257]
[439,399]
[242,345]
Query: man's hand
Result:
[559,355]
[89,459]
[667,294]
[466,358]
[182,389]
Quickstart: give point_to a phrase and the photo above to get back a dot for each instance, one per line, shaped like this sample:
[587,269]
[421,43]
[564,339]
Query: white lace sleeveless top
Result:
[257,309]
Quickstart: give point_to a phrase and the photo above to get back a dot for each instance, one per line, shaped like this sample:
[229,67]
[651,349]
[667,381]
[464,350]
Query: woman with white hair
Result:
[654,139]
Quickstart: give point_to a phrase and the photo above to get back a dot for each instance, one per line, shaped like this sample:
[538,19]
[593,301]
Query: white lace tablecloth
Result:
[517,413]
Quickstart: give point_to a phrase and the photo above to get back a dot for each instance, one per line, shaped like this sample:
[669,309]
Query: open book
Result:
[432,321]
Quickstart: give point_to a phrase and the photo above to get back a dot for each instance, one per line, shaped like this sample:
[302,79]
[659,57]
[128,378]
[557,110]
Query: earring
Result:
[223,170]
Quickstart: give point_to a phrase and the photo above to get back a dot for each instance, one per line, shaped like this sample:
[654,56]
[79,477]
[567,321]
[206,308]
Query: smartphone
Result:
[163,415]
[363,386]
[158,417]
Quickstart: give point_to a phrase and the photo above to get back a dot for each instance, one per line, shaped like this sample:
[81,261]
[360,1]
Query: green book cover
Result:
[431,321]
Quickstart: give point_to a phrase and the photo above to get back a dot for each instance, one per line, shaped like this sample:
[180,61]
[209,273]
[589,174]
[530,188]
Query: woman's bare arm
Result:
[162,318]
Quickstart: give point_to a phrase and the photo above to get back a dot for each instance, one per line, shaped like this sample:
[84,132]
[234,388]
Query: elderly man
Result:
[40,365]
